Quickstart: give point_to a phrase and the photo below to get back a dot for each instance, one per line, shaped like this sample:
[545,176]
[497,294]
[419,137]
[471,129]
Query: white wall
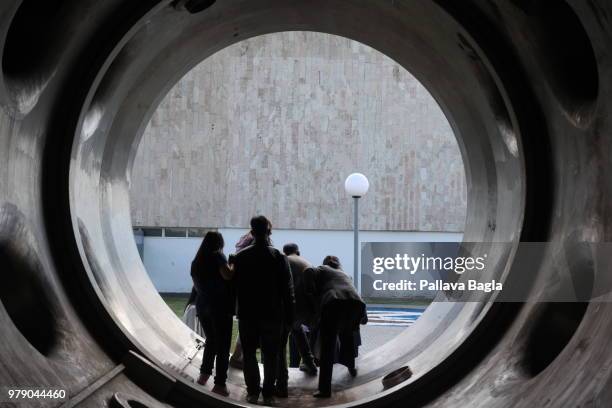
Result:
[168,260]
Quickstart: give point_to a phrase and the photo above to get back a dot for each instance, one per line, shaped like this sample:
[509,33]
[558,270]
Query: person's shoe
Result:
[269,401]
[221,390]
[309,369]
[353,372]
[253,398]
[320,394]
[203,379]
[281,391]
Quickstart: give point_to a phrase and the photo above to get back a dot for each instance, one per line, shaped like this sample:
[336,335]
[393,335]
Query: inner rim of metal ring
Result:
[166,44]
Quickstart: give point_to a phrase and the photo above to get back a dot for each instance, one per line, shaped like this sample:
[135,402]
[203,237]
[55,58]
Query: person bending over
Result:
[340,311]
[215,304]
[264,290]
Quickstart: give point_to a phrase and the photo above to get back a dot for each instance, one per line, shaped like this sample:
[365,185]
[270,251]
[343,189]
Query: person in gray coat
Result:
[340,311]
[303,316]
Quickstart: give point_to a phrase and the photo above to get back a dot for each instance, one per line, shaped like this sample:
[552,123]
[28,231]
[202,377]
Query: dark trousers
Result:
[282,375]
[302,349]
[299,347]
[218,331]
[336,324]
[294,354]
[267,334]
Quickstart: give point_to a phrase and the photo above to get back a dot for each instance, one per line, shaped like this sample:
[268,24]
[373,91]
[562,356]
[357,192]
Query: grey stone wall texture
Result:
[274,124]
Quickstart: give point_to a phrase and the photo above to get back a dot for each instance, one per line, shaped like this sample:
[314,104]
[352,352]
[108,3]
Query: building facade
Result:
[274,124]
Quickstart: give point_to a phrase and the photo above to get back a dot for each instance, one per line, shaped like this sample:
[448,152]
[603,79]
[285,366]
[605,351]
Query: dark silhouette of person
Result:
[303,316]
[236,359]
[340,311]
[264,290]
[215,305]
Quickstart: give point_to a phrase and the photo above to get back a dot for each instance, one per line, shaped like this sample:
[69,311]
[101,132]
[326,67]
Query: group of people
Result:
[274,295]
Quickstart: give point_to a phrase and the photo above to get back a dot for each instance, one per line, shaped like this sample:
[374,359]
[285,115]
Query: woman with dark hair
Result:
[215,302]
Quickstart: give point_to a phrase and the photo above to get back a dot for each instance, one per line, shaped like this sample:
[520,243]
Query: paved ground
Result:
[385,323]
[375,336]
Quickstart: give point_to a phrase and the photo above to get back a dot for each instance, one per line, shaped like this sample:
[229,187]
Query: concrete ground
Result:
[375,336]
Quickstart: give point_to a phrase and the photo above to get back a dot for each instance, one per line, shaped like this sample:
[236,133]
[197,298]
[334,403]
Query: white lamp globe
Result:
[356,185]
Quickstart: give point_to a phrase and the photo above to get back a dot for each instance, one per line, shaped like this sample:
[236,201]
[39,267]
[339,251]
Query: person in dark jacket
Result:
[236,358]
[264,290]
[215,308]
[340,311]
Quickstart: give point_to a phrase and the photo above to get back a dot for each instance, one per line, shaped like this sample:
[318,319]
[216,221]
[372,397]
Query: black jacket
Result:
[214,294]
[264,287]
[324,285]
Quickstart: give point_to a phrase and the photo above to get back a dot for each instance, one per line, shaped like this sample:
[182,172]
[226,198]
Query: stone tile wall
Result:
[274,124]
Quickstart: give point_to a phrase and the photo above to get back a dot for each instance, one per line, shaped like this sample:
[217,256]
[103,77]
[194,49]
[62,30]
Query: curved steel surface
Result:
[524,85]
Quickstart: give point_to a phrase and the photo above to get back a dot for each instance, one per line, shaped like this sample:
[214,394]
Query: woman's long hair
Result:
[213,241]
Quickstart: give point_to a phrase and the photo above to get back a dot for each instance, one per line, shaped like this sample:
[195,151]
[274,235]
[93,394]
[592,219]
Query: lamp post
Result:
[356,185]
